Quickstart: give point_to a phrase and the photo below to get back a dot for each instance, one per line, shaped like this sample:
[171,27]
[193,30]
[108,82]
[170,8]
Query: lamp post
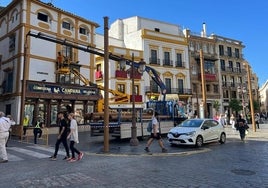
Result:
[106,86]
[141,68]
[203,105]
[242,91]
[250,96]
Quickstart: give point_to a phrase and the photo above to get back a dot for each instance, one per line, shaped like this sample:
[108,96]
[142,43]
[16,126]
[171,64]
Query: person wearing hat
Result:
[155,134]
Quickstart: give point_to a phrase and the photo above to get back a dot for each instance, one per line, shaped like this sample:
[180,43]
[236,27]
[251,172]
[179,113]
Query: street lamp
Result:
[141,66]
[242,91]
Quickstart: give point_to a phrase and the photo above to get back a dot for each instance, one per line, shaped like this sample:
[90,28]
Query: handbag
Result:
[246,132]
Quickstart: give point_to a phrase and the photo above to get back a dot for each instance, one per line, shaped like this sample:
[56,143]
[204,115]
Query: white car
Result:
[197,132]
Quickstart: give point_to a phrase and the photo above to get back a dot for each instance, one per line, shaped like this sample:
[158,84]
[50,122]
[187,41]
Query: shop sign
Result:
[32,87]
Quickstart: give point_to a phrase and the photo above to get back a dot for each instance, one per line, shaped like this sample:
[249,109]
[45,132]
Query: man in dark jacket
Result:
[62,137]
[241,126]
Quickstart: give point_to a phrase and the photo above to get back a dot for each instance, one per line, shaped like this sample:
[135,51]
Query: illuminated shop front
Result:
[45,100]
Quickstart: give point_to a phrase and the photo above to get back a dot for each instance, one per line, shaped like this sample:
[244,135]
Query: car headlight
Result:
[190,133]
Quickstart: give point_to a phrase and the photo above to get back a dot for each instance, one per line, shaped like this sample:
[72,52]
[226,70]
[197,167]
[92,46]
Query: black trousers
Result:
[37,132]
[62,140]
[73,149]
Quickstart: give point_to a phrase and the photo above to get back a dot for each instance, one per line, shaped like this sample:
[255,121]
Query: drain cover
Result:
[243,172]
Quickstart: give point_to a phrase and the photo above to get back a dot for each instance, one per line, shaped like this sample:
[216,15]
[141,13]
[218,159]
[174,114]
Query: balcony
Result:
[210,77]
[120,74]
[167,62]
[135,74]
[181,91]
[180,64]
[154,61]
[137,98]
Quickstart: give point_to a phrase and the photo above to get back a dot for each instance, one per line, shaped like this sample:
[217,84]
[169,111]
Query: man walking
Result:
[62,137]
[5,124]
[155,134]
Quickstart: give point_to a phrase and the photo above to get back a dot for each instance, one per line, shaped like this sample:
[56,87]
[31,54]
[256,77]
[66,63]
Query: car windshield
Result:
[191,123]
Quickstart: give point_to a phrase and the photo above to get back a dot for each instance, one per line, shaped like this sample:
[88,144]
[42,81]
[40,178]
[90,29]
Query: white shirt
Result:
[5,124]
[155,125]
[74,131]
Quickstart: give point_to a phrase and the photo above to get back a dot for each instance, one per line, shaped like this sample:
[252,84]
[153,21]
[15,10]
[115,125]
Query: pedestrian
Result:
[257,120]
[241,126]
[73,136]
[5,125]
[26,121]
[37,131]
[232,121]
[155,134]
[10,129]
[222,119]
[62,137]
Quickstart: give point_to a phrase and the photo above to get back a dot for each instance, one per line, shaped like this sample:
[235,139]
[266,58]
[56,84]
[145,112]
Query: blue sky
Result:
[237,19]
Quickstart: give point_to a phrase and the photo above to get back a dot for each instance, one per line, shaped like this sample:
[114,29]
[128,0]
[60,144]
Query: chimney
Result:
[204,30]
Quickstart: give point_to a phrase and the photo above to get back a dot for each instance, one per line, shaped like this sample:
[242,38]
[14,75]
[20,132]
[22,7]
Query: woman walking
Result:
[73,136]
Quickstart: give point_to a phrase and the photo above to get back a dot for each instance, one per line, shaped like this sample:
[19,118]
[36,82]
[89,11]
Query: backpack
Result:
[150,126]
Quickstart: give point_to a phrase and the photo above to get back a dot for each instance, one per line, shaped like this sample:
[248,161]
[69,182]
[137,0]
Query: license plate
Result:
[176,142]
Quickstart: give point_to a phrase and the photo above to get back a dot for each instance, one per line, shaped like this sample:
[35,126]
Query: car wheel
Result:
[222,138]
[199,141]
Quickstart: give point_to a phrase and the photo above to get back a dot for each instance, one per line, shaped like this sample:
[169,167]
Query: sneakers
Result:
[147,149]
[164,150]
[72,160]
[53,158]
[66,158]
[80,156]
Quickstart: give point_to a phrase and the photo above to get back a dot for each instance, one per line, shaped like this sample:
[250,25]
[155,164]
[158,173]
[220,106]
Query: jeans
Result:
[57,146]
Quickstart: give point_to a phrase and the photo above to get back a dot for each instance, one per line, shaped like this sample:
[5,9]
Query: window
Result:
[136,89]
[195,88]
[82,31]
[121,88]
[215,88]
[67,51]
[208,87]
[66,25]
[43,17]
[8,82]
[154,87]
[238,66]
[229,51]
[179,60]
[222,65]
[12,42]
[232,79]
[153,57]
[221,49]
[209,67]
[168,85]
[237,53]
[230,66]
[166,58]
[180,86]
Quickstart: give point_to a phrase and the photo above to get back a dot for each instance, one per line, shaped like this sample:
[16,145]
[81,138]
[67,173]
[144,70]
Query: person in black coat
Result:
[241,126]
